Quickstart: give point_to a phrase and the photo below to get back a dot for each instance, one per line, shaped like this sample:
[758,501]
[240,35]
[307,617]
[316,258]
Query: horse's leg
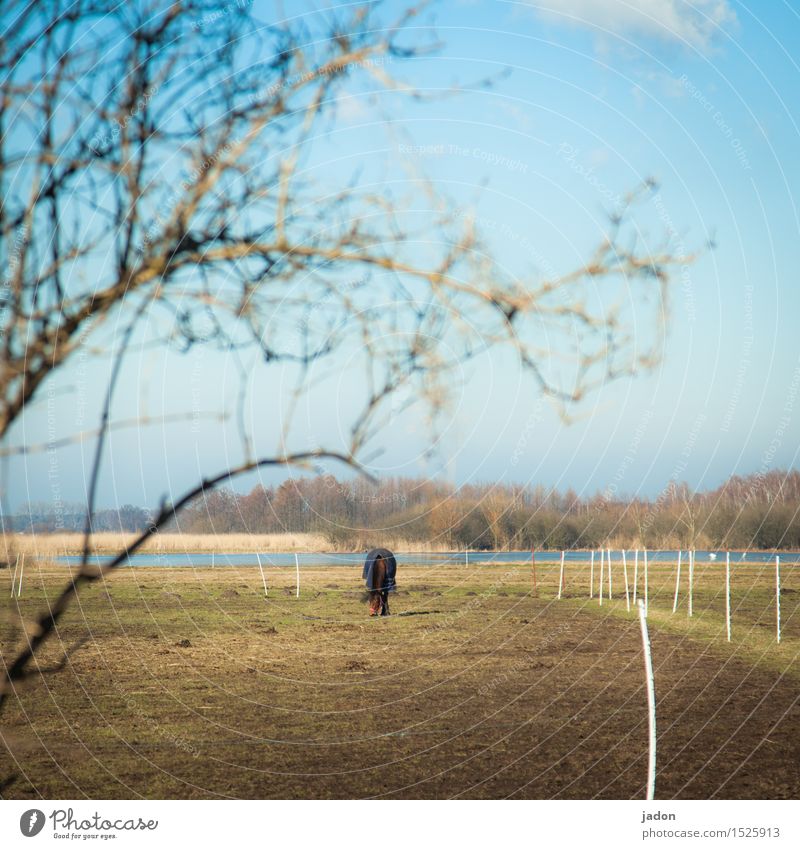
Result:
[380,580]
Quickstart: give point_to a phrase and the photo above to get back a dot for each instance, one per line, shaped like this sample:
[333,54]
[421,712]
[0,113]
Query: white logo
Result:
[31,822]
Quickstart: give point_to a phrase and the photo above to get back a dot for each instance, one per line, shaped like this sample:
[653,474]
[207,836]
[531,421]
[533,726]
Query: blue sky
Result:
[599,96]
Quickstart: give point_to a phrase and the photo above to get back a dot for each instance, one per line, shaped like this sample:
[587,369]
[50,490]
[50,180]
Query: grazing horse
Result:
[380,568]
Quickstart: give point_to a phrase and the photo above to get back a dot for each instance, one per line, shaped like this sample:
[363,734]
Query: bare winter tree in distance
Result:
[251,251]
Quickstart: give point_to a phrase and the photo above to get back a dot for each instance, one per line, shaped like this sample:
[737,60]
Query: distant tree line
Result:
[758,511]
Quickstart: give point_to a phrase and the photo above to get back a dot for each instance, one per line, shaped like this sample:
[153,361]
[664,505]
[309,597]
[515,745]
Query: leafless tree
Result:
[689,512]
[495,506]
[156,166]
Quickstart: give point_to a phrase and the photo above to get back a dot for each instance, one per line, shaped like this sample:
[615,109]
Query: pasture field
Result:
[193,685]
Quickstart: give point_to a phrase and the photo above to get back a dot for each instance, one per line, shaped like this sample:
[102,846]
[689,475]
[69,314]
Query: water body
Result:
[452,558]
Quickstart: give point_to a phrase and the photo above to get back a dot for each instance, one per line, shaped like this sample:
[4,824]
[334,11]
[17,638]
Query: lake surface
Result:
[356,559]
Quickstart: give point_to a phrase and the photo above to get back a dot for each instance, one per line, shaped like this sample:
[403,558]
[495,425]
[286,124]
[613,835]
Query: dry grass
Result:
[193,684]
[50,545]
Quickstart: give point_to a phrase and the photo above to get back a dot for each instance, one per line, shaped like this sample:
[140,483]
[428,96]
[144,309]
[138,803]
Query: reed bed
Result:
[54,545]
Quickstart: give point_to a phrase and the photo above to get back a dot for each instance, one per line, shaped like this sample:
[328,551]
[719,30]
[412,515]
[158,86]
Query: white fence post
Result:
[625,575]
[561,576]
[646,597]
[777,595]
[591,577]
[691,580]
[651,704]
[635,574]
[14,576]
[22,572]
[610,594]
[263,576]
[297,571]
[728,593]
[602,561]
[677,582]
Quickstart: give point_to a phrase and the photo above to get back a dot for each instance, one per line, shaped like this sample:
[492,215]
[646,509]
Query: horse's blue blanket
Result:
[389,582]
